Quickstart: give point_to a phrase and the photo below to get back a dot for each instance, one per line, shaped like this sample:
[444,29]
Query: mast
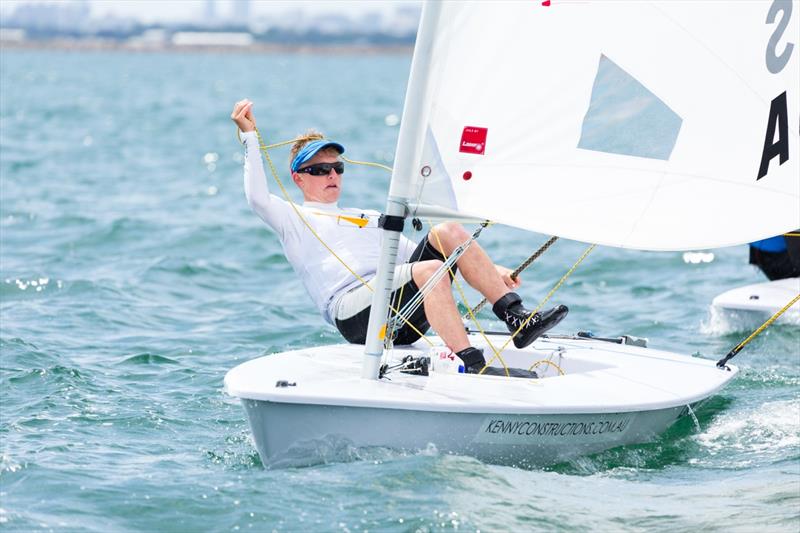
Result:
[409,148]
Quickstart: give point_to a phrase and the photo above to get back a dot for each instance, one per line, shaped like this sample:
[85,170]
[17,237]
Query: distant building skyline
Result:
[177,11]
[253,23]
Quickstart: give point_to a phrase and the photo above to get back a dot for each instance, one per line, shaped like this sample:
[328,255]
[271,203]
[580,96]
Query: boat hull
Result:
[291,435]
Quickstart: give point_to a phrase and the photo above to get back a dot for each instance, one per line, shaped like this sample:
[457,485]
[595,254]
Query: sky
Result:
[184,10]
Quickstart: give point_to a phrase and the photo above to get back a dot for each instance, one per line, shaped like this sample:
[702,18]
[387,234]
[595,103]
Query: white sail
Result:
[625,123]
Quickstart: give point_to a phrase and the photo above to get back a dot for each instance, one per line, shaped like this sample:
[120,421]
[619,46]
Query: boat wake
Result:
[766,432]
[238,454]
[674,447]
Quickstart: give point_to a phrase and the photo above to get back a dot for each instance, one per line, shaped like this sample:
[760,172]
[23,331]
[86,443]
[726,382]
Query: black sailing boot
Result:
[509,309]
[474,363]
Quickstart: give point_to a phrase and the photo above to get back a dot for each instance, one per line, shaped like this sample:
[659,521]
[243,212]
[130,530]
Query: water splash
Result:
[763,434]
[694,417]
[722,322]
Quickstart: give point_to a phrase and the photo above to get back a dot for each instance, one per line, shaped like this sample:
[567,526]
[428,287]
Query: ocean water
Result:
[133,276]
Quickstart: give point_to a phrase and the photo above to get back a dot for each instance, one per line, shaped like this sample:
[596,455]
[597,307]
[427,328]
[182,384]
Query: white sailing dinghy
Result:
[759,301]
[650,125]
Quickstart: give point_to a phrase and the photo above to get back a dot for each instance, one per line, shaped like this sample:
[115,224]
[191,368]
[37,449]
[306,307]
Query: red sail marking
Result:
[473,140]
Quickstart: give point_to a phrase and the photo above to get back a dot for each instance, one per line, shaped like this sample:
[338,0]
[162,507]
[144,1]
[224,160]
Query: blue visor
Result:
[310,150]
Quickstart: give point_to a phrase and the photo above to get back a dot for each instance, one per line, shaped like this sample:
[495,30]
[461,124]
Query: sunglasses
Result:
[323,169]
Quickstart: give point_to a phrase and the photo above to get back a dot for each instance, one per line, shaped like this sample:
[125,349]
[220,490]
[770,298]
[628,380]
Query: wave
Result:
[124,229]
[148,359]
[768,432]
[194,267]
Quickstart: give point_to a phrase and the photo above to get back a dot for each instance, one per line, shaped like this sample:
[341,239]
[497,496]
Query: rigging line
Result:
[388,339]
[541,304]
[313,232]
[309,137]
[412,305]
[525,264]
[721,363]
[278,144]
[466,304]
[418,225]
[365,163]
[547,362]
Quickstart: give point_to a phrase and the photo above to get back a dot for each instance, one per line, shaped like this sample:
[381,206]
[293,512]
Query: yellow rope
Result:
[275,145]
[766,324]
[264,147]
[466,304]
[306,138]
[547,361]
[553,290]
[365,163]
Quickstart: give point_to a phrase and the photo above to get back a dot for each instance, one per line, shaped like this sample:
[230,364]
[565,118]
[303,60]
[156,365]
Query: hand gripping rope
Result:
[525,264]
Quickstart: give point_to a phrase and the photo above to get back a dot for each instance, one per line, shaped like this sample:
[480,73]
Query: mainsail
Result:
[656,125]
[651,125]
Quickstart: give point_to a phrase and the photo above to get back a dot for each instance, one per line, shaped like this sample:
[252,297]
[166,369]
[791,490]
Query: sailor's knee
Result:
[425,269]
[451,231]
[422,271]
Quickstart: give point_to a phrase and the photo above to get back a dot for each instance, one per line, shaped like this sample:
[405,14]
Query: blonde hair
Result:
[304,139]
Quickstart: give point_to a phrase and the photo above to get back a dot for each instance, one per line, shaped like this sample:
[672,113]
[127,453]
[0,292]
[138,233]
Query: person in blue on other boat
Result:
[340,296]
[778,257]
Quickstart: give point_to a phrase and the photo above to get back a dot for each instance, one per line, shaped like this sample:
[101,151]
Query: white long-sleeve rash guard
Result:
[324,277]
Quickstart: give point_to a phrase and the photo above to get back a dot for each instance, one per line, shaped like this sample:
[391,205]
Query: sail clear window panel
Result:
[625,118]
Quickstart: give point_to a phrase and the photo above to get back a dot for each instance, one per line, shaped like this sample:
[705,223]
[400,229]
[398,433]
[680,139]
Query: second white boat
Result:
[759,301]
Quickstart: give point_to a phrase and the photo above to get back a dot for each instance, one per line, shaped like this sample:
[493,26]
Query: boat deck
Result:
[600,377]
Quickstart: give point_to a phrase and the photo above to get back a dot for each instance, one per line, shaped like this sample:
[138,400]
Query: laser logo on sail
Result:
[473,140]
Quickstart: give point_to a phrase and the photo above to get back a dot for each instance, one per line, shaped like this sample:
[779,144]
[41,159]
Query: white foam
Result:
[770,429]
[724,321]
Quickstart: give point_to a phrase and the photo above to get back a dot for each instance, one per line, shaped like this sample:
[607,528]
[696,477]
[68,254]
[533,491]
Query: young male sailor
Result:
[339,294]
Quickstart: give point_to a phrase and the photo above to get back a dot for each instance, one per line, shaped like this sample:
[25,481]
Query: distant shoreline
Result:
[92,45]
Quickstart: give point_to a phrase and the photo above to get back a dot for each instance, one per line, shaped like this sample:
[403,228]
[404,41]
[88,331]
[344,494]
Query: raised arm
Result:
[242,115]
[268,207]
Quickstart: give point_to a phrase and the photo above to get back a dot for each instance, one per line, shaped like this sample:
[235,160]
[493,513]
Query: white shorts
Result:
[360,298]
